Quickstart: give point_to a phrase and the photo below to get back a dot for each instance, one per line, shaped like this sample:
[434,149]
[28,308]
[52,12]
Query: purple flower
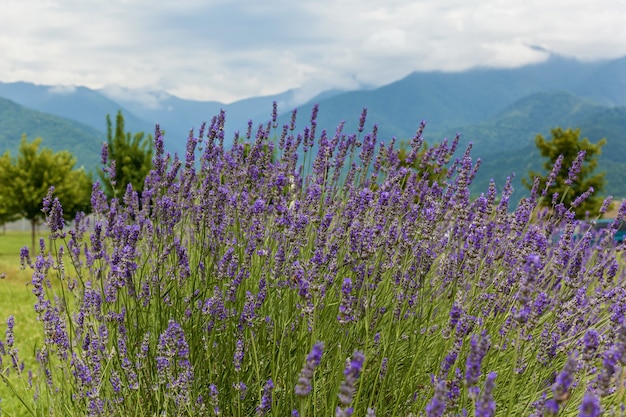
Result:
[266,399]
[238,357]
[362,119]
[104,155]
[605,204]
[214,399]
[9,332]
[111,172]
[292,122]
[116,383]
[575,167]
[54,217]
[449,360]
[242,388]
[591,341]
[172,363]
[552,176]
[274,114]
[609,369]
[383,369]
[347,387]
[437,406]
[258,206]
[564,380]
[303,387]
[344,412]
[455,315]
[590,406]
[620,344]
[551,407]
[579,200]
[347,300]
[47,201]
[25,257]
[486,406]
[478,350]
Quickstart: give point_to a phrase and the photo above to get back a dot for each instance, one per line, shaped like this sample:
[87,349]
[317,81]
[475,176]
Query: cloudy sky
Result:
[226,50]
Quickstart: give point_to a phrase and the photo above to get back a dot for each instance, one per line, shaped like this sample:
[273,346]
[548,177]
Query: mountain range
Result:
[499,110]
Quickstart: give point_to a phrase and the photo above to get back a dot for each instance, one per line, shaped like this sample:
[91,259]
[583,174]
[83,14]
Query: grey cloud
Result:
[241,26]
[225,50]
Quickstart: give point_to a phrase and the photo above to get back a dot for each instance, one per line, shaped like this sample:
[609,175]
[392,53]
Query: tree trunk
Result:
[33,229]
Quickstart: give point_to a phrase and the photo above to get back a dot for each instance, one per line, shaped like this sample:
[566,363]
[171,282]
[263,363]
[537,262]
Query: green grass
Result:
[17,300]
[10,244]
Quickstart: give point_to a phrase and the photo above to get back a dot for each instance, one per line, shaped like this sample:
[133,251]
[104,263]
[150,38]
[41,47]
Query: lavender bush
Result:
[242,282]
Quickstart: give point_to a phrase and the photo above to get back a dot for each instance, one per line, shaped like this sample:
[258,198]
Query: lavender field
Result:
[314,273]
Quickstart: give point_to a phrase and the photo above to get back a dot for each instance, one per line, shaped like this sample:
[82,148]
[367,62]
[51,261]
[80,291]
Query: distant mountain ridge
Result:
[449,100]
[499,110]
[506,144]
[80,104]
[57,133]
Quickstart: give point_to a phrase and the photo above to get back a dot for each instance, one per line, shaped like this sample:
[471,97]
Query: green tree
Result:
[6,215]
[26,179]
[132,155]
[568,144]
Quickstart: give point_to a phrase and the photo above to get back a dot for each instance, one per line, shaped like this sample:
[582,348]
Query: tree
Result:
[6,215]
[132,156]
[26,180]
[568,144]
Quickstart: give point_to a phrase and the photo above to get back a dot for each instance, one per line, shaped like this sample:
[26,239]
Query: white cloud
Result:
[227,50]
[387,42]
[62,89]
[148,98]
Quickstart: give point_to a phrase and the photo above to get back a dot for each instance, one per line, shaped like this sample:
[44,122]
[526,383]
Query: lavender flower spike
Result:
[104,156]
[214,393]
[552,176]
[478,350]
[238,356]
[590,406]
[564,381]
[486,406]
[266,399]
[9,332]
[575,168]
[303,387]
[347,388]
[437,405]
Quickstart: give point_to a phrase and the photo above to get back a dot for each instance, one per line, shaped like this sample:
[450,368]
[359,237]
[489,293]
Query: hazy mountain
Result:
[448,100]
[57,133]
[607,84]
[177,116]
[516,126]
[499,110]
[505,143]
[80,104]
[445,100]
[144,110]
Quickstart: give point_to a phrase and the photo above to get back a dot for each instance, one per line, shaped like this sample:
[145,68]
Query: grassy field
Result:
[15,295]
[16,299]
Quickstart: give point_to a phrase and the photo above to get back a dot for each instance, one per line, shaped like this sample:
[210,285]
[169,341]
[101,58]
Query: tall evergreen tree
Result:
[567,144]
[129,158]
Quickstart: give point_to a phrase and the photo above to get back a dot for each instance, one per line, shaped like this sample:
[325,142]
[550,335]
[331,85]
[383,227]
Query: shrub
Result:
[239,287]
